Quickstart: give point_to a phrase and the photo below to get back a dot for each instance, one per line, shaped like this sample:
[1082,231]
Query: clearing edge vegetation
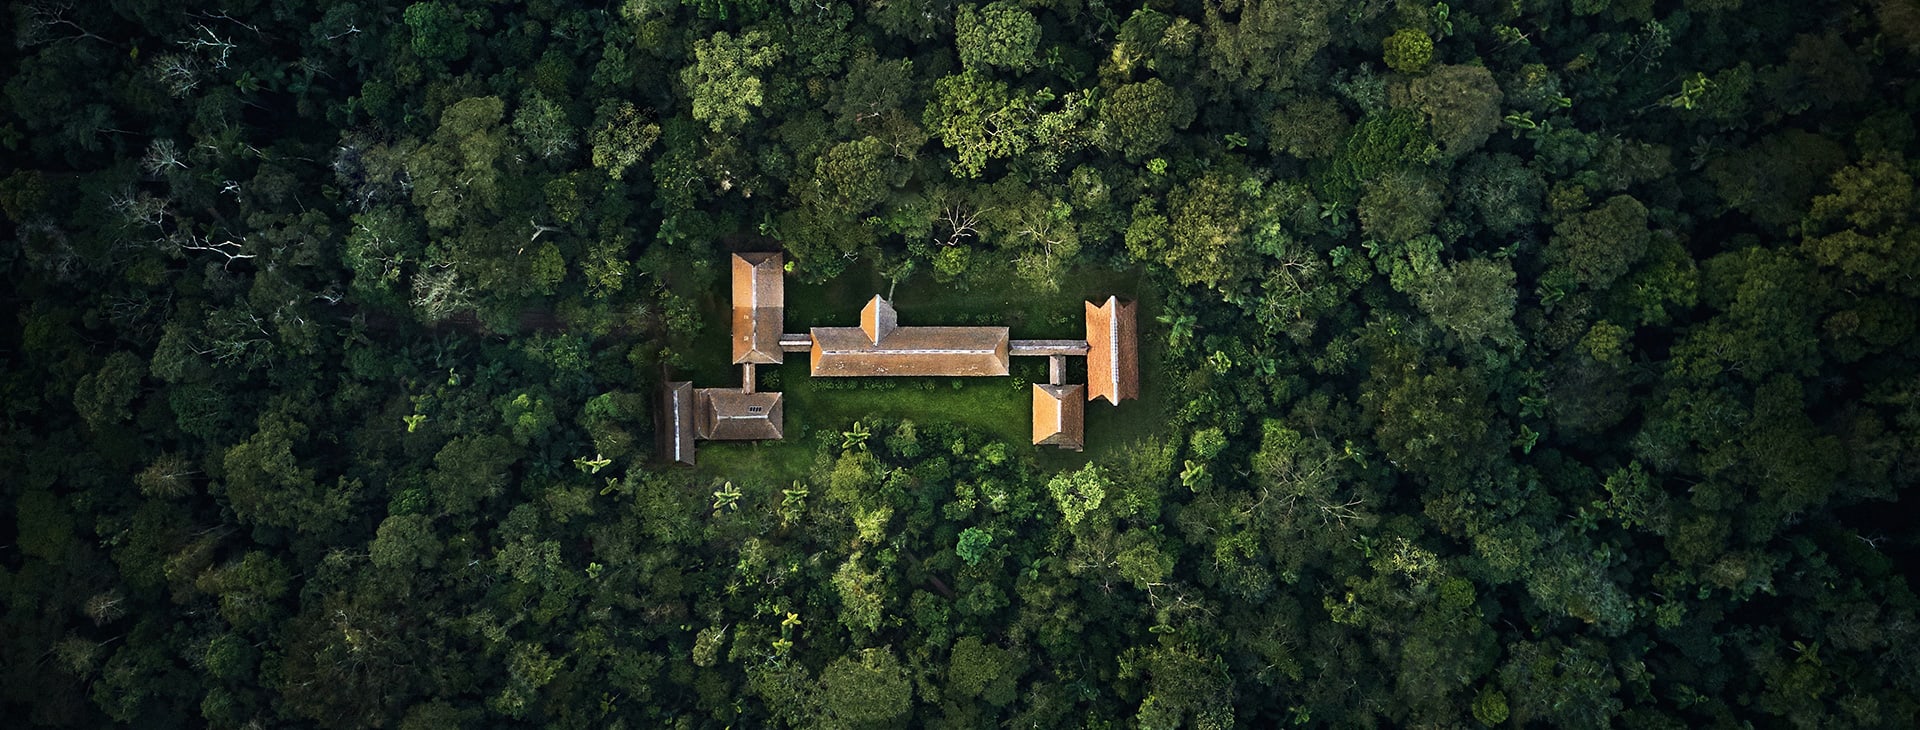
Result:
[1503,364]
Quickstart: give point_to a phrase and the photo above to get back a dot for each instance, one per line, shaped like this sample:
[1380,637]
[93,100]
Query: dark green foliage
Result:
[1462,105]
[1597,246]
[439,30]
[1501,191]
[1774,181]
[1400,206]
[1201,238]
[1308,128]
[868,692]
[1504,364]
[1001,34]
[1474,300]
[102,397]
[1380,143]
[1434,419]
[1142,117]
[1260,45]
[986,672]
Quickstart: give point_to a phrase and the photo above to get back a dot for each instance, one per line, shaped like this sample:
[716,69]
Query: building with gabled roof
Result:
[759,308]
[1113,351]
[1059,415]
[881,347]
[729,414]
[673,423]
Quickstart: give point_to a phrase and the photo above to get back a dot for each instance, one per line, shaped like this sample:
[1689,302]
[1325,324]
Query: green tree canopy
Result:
[867,691]
[1001,34]
[723,82]
[1142,117]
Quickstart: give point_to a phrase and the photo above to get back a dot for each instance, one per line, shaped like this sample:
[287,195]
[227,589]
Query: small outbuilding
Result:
[1059,416]
[728,414]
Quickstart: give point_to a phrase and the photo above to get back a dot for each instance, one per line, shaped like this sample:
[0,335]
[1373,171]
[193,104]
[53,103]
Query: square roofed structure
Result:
[1113,351]
[759,308]
[729,414]
[881,347]
[1059,416]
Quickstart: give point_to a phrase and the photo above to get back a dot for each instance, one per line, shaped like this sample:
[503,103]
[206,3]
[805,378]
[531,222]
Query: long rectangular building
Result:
[673,422]
[759,308]
[1113,351]
[880,347]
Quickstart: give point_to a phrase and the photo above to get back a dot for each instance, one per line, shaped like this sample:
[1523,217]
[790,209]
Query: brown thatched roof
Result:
[729,414]
[1113,351]
[881,347]
[1059,416]
[759,307]
[673,423]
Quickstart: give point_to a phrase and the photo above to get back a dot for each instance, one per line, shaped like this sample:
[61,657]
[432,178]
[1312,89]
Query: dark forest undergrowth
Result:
[1509,364]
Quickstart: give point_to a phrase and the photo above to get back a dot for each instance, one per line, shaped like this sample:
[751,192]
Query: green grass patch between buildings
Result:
[999,406]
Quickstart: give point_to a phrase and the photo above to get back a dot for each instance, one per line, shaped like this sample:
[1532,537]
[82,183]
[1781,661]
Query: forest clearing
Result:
[1479,363]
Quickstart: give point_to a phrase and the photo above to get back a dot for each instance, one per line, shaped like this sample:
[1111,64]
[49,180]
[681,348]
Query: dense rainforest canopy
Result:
[1518,363]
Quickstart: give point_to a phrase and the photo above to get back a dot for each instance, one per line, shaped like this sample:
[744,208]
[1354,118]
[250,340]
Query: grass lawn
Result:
[999,406]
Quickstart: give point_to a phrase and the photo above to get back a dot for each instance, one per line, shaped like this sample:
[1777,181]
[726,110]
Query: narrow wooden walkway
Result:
[796,342]
[1046,348]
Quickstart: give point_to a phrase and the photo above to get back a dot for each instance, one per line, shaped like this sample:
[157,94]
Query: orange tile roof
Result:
[878,319]
[881,347]
[1113,351]
[1059,416]
[759,307]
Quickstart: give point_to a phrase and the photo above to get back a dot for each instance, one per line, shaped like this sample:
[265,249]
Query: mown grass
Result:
[998,406]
